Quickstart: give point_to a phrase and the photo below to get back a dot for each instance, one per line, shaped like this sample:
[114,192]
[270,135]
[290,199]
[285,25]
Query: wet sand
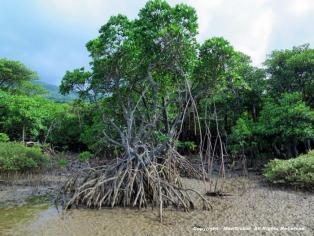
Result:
[252,204]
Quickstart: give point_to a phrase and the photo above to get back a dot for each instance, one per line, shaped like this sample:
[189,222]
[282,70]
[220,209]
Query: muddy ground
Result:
[16,190]
[254,208]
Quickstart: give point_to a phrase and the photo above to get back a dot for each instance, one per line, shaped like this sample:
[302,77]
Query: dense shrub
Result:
[17,157]
[297,171]
[4,138]
[62,163]
[85,156]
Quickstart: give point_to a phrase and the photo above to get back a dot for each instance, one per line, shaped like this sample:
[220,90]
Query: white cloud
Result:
[253,27]
[255,40]
[205,11]
[300,7]
[246,24]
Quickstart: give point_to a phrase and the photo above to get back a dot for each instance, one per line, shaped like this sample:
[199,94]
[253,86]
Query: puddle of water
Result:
[14,215]
[117,221]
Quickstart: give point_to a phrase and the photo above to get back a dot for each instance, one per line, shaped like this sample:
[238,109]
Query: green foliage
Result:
[17,157]
[287,119]
[220,68]
[62,163]
[16,77]
[39,119]
[74,81]
[85,156]
[66,128]
[223,79]
[243,134]
[4,138]
[153,52]
[31,116]
[297,172]
[282,124]
[186,146]
[292,70]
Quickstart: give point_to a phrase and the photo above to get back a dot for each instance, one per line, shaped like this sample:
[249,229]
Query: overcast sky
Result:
[49,36]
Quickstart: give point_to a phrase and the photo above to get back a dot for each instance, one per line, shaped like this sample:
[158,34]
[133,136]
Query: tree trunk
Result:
[308,145]
[254,113]
[165,115]
[23,134]
[277,150]
[295,147]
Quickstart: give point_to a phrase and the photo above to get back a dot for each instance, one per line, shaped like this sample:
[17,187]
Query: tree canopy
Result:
[15,76]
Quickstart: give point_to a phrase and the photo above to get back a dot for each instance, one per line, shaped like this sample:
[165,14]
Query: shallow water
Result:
[12,216]
[251,205]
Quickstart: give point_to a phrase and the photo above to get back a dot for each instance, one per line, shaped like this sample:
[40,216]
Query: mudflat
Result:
[252,209]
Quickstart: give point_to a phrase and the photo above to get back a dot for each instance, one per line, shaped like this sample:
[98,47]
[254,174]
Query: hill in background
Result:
[54,94]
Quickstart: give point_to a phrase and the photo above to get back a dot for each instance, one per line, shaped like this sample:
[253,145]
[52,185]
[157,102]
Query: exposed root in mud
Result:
[142,181]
